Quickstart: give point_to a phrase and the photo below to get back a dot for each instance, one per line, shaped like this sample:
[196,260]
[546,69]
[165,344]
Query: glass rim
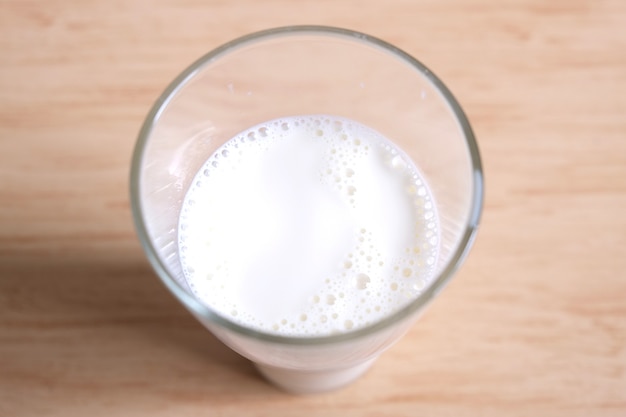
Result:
[200,309]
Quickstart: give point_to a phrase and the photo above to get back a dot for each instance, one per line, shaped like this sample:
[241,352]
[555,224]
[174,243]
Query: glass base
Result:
[311,382]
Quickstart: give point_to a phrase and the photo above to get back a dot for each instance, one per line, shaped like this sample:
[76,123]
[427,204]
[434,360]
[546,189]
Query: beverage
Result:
[308,244]
[308,226]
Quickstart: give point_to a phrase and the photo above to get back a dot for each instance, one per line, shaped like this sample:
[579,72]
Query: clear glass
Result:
[297,71]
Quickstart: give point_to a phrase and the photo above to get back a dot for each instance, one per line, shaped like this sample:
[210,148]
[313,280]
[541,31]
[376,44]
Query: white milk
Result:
[308,225]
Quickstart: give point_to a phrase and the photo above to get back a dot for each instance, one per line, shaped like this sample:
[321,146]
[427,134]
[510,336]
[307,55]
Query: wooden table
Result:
[533,324]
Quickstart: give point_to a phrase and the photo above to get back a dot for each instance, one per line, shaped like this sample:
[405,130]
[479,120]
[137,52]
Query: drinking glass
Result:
[301,70]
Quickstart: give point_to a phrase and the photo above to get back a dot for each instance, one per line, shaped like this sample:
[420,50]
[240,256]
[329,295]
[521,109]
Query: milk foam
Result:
[308,225]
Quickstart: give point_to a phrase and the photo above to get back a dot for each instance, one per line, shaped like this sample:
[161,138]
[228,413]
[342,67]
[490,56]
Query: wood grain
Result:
[534,323]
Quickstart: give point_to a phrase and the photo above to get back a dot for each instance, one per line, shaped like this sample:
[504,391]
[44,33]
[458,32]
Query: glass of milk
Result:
[305,192]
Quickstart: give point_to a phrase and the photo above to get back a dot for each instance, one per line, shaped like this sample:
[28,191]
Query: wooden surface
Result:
[533,324]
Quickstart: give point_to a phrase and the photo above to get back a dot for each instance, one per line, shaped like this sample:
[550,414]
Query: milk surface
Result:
[308,226]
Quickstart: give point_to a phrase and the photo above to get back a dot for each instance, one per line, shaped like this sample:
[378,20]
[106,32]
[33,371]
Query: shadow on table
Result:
[112,325]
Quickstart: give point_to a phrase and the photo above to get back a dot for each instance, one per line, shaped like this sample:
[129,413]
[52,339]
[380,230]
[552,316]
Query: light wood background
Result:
[533,324]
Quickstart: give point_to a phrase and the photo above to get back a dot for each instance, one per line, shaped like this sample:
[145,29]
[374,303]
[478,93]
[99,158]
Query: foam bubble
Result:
[361,281]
